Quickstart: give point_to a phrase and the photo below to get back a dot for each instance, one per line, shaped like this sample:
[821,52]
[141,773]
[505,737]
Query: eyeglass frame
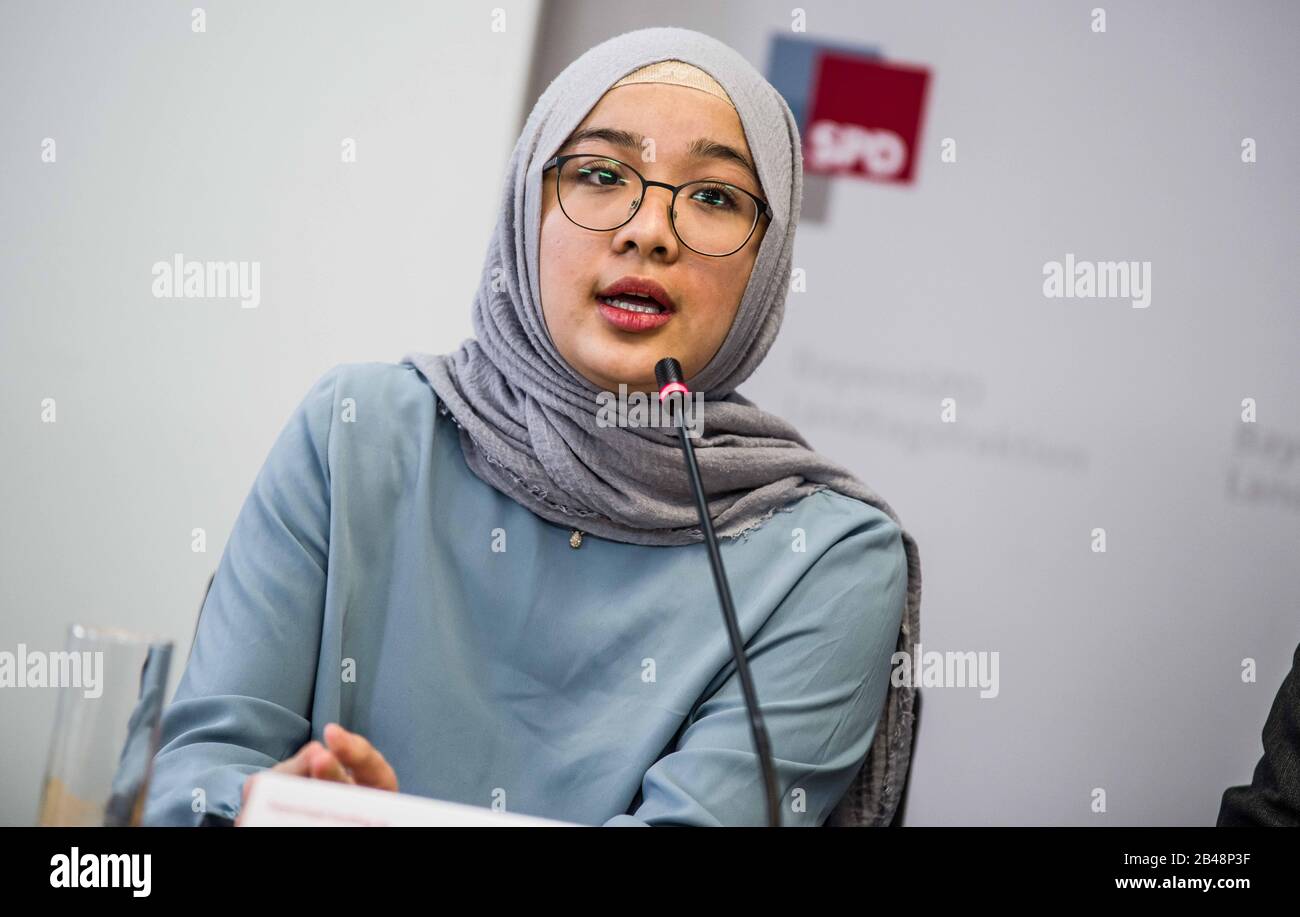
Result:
[557,162]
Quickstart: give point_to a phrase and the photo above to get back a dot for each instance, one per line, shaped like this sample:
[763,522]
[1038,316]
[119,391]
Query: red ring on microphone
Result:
[673,387]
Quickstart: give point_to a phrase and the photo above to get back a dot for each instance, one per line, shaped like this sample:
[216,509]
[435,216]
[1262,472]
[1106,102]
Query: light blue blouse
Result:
[371,579]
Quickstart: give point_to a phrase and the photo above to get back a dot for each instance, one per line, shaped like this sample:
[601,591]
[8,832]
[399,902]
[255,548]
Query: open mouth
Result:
[638,294]
[633,313]
[633,303]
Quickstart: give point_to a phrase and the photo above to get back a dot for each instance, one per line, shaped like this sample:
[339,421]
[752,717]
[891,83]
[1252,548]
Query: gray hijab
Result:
[528,420]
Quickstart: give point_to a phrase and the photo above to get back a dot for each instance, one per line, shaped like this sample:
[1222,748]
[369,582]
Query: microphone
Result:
[672,389]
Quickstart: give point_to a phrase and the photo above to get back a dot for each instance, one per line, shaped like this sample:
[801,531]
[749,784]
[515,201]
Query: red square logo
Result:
[865,119]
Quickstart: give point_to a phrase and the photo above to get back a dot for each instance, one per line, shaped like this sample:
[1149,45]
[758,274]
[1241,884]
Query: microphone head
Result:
[669,370]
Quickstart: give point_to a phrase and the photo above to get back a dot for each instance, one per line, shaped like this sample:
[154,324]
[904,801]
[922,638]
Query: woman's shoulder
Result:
[848,538]
[842,516]
[864,554]
[375,381]
[834,539]
[369,408]
[374,395]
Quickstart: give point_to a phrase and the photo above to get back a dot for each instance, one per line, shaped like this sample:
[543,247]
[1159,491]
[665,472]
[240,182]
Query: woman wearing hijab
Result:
[488,592]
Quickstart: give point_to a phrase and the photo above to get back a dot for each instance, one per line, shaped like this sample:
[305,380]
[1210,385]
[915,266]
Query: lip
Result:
[640,286]
[626,320]
[632,321]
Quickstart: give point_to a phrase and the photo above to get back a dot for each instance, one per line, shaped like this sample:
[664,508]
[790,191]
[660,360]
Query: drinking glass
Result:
[111,685]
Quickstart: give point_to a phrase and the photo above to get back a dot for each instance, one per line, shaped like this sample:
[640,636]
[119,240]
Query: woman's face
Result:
[578,263]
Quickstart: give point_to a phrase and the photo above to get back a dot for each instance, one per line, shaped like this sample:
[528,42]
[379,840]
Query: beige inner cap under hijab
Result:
[677,73]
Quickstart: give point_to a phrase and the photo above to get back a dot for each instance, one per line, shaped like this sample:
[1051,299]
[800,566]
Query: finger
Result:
[324,765]
[366,763]
[298,764]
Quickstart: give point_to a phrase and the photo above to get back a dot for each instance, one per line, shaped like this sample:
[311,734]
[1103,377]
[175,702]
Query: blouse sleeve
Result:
[821,668]
[244,700]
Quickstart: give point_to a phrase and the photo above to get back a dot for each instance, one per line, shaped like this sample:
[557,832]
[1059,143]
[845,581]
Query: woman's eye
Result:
[601,175]
[715,196]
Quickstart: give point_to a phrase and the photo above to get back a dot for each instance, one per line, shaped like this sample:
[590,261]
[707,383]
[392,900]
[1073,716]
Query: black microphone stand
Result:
[669,372]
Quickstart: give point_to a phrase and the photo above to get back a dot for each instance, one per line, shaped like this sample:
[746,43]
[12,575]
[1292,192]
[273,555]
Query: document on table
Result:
[283,800]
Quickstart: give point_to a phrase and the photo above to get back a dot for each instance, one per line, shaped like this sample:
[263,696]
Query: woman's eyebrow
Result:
[703,148]
[711,149]
[627,140]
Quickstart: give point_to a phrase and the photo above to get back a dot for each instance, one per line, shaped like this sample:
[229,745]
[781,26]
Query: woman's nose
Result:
[651,226]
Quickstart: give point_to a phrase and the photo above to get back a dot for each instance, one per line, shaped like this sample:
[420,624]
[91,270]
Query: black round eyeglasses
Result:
[715,218]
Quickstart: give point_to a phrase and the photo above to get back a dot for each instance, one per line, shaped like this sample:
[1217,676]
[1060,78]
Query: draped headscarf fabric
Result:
[528,419]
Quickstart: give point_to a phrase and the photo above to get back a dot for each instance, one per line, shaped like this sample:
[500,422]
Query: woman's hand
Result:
[349,758]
